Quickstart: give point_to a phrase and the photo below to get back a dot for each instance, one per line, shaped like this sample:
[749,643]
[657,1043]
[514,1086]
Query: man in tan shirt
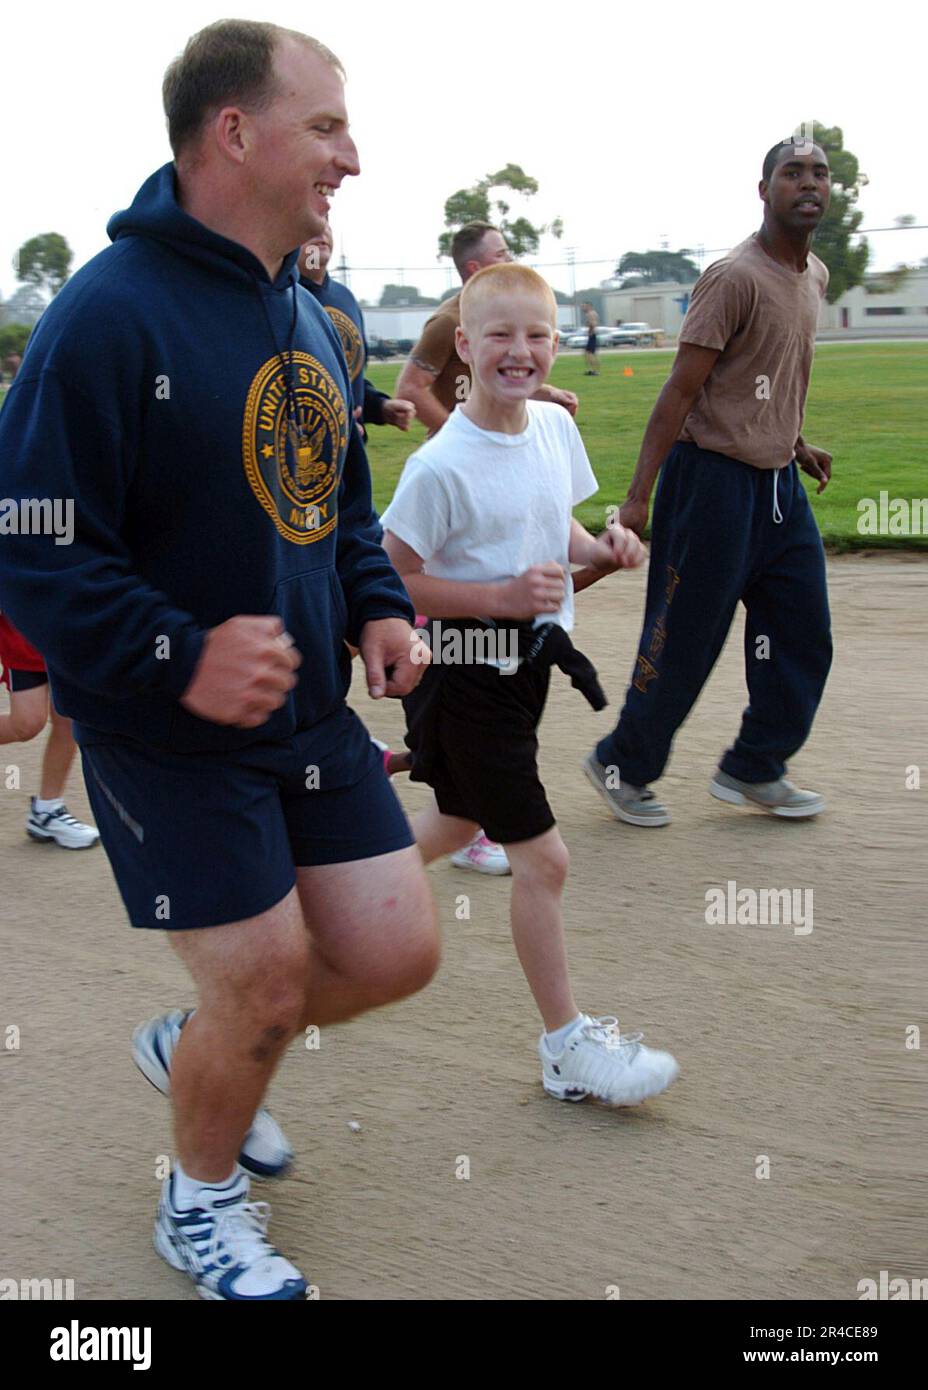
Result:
[434,377]
[731,519]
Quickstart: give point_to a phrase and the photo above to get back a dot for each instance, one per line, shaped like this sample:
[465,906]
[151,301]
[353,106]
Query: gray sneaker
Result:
[780,798]
[634,805]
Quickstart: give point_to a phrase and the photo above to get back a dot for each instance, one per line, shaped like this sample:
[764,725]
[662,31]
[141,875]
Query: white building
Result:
[397,323]
[864,311]
[407,323]
[661,305]
[867,308]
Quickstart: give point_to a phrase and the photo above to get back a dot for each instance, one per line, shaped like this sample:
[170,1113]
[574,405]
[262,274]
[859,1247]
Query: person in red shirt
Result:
[25,678]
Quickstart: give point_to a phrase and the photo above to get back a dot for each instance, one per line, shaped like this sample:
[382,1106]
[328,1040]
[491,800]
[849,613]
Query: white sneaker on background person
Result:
[597,1060]
[55,822]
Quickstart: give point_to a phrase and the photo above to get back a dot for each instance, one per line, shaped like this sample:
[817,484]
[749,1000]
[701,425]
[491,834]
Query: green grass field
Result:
[868,405]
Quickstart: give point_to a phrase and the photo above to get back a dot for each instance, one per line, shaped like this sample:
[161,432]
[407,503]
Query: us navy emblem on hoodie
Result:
[295,479]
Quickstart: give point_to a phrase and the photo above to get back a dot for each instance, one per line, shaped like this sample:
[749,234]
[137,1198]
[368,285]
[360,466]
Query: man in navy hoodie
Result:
[372,407]
[194,406]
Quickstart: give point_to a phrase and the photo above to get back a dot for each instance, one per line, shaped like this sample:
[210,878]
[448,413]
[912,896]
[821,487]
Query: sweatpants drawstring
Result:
[777,514]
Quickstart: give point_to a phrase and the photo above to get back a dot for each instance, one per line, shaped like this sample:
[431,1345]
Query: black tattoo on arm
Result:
[424,366]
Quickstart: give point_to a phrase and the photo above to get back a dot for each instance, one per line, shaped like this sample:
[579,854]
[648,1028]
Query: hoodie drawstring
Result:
[296,430]
[777,514]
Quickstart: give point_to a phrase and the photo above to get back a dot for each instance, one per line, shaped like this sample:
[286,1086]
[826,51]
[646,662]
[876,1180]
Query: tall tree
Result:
[13,338]
[890,281]
[44,261]
[846,261]
[649,267]
[477,204]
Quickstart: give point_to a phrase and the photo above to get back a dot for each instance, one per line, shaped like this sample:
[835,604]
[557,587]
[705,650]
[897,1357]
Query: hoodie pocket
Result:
[312,609]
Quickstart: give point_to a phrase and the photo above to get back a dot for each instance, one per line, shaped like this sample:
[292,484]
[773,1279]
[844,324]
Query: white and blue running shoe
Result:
[266,1151]
[222,1244]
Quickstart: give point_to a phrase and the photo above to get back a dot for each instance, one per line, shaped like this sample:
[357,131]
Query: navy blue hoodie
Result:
[154,394]
[345,312]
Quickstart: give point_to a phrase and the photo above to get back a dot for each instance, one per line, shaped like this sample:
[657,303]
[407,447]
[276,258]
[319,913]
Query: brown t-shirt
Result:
[435,349]
[763,318]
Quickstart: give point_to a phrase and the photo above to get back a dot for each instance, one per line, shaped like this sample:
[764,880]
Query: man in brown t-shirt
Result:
[434,377]
[731,518]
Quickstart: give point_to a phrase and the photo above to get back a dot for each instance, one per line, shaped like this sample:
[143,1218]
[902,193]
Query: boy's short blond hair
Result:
[482,288]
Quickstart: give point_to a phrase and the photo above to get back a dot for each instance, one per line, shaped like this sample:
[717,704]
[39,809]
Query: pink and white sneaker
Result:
[483,855]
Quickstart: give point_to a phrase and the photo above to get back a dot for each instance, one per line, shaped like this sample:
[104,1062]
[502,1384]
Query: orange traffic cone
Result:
[628,372]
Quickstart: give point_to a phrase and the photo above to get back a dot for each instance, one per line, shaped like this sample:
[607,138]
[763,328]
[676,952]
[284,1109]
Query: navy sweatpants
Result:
[716,539]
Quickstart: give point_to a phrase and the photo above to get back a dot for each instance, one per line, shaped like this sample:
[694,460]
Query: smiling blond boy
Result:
[481,528]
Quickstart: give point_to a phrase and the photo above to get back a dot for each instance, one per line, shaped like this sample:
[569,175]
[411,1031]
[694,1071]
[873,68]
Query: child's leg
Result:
[393,762]
[27,717]
[437,834]
[539,871]
[397,762]
[58,757]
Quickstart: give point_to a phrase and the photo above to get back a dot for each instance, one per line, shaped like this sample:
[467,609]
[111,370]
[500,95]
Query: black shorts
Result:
[592,343]
[473,735]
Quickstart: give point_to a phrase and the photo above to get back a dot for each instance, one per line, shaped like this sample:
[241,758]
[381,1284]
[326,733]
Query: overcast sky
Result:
[642,124]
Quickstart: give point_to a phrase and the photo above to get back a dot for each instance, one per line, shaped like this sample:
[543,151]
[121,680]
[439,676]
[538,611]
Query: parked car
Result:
[577,337]
[635,335]
[382,348]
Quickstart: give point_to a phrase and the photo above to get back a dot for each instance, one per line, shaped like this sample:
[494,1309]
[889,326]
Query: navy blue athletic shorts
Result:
[201,839]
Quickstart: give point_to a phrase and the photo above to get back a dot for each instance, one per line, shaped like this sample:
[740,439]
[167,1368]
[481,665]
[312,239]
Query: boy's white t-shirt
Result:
[481,506]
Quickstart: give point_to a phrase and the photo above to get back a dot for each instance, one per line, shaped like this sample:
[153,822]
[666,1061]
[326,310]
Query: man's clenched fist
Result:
[244,673]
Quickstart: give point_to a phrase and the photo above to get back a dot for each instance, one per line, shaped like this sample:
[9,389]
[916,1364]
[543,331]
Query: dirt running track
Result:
[791,1046]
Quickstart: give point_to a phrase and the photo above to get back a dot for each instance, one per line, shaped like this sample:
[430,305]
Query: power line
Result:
[605,260]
